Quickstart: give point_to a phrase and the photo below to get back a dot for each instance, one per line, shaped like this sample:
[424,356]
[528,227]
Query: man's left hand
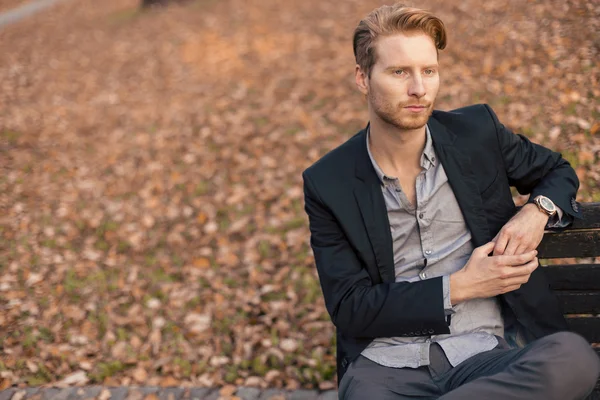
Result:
[522,233]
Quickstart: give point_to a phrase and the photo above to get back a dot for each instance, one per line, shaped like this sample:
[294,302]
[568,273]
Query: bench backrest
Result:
[577,285]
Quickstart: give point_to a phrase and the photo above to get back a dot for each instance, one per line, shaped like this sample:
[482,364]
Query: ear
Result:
[362,80]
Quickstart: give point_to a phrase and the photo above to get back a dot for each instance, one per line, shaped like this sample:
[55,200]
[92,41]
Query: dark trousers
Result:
[561,366]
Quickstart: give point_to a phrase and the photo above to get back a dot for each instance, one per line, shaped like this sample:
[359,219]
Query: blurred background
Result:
[151,209]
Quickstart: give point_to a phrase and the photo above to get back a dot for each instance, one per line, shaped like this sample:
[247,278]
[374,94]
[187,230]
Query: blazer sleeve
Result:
[359,307]
[536,170]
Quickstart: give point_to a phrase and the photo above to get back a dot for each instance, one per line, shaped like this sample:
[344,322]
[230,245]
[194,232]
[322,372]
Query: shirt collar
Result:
[427,157]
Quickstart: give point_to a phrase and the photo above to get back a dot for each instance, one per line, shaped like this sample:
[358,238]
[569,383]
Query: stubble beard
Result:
[393,114]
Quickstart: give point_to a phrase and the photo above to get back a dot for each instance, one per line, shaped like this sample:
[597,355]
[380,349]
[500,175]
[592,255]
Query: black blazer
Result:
[352,245]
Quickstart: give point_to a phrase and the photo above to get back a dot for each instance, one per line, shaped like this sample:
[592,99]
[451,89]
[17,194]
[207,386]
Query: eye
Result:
[429,71]
[399,72]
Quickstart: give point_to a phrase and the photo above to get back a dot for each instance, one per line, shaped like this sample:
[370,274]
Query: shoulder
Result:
[473,125]
[338,163]
[473,115]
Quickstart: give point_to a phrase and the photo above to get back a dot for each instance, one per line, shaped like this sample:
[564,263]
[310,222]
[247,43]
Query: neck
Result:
[396,149]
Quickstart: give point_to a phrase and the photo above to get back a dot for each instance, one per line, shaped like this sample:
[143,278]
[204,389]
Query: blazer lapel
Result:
[371,203]
[462,180]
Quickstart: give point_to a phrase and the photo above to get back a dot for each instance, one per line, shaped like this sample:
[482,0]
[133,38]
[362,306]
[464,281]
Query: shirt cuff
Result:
[448,310]
[559,220]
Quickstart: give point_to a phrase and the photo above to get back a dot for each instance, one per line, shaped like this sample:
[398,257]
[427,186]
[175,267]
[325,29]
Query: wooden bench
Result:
[577,285]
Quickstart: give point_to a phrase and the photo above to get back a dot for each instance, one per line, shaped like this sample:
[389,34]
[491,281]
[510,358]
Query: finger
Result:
[500,243]
[516,274]
[485,249]
[517,260]
[522,249]
[513,244]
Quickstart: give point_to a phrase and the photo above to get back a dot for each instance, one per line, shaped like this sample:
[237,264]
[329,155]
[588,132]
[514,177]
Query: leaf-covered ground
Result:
[151,214]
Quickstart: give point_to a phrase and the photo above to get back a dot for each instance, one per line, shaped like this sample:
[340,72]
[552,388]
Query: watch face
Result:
[547,204]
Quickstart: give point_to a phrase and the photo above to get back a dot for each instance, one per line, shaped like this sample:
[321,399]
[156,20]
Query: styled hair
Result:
[389,20]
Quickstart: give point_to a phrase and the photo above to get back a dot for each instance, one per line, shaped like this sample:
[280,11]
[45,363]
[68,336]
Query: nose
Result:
[416,87]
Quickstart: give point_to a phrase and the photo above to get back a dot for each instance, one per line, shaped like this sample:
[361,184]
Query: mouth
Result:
[416,108]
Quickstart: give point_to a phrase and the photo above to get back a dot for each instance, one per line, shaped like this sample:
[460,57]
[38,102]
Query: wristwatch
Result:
[545,205]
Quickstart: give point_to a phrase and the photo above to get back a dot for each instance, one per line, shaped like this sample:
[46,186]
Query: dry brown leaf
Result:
[227,390]
[585,156]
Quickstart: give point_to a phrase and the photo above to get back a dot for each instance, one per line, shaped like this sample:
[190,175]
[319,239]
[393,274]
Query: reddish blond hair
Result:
[389,20]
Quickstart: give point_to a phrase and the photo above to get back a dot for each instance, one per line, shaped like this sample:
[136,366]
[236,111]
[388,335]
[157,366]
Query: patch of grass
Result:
[72,282]
[29,339]
[184,365]
[274,336]
[123,247]
[159,275]
[264,249]
[201,189]
[104,370]
[571,157]
[274,296]
[122,334]
[527,131]
[46,335]
[258,367]
[571,109]
[106,226]
[49,243]
[10,136]
[231,282]
[297,222]
[42,376]
[100,319]
[231,375]
[261,121]
[177,260]
[124,16]
[504,100]
[203,282]
[193,303]
[223,326]
[293,130]
[309,286]
[102,245]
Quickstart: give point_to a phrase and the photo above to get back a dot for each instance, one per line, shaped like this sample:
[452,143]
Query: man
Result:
[428,272]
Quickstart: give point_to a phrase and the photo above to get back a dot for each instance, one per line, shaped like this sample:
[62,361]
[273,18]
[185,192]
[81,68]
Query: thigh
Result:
[537,354]
[560,366]
[366,379]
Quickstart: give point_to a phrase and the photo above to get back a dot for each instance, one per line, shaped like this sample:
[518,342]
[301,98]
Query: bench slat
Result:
[591,217]
[570,244]
[578,302]
[588,327]
[573,277]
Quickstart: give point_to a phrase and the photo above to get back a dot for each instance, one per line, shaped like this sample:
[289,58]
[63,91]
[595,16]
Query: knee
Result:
[572,358]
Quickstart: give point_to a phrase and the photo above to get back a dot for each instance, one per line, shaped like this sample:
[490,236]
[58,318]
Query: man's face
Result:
[404,80]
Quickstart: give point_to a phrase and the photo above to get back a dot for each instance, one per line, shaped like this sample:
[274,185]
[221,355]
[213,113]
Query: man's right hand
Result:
[487,276]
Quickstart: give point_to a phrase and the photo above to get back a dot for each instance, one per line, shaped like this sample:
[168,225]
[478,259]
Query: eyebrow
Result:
[395,67]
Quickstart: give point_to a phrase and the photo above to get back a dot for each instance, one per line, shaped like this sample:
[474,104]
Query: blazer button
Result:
[431,331]
[344,362]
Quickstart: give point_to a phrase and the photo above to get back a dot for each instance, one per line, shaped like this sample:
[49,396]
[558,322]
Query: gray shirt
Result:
[430,239]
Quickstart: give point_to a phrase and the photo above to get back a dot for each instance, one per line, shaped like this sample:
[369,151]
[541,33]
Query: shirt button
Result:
[421,215]
[428,252]
[423,275]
